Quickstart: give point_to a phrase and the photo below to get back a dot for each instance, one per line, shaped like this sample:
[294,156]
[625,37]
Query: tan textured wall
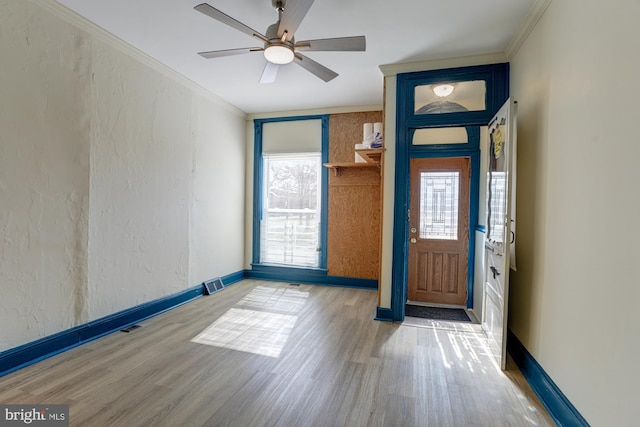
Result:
[575,295]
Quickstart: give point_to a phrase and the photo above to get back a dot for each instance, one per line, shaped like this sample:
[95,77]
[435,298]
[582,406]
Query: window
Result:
[454,97]
[440,136]
[290,227]
[289,224]
[439,205]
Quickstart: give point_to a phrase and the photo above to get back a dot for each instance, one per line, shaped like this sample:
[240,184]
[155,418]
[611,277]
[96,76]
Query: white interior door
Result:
[499,236]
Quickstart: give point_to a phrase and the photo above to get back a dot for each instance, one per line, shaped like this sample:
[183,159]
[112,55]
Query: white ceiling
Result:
[396,31]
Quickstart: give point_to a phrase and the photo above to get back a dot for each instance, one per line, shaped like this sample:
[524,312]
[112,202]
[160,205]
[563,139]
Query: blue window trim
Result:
[496,77]
[257,189]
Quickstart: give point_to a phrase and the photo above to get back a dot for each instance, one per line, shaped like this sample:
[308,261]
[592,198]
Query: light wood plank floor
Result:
[328,364]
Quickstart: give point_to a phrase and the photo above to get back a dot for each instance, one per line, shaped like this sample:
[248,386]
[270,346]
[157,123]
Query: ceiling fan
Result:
[280,46]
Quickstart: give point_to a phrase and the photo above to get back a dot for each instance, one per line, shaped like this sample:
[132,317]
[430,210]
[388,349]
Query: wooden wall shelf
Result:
[372,157]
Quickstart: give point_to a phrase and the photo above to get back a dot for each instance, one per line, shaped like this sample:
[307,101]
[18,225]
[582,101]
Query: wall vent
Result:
[212,286]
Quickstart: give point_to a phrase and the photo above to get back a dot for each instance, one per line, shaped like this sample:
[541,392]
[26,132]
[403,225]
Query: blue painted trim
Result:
[257,182]
[399,267]
[272,272]
[257,188]
[384,314]
[559,407]
[474,211]
[497,84]
[324,196]
[307,276]
[496,77]
[232,278]
[27,354]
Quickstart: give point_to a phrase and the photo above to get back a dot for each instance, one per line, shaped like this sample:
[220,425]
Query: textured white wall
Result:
[575,296]
[141,156]
[44,174]
[218,190]
[118,183]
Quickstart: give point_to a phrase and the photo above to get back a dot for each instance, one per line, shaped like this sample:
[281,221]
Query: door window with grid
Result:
[439,205]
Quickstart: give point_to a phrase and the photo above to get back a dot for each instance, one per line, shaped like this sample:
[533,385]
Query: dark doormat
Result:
[436,313]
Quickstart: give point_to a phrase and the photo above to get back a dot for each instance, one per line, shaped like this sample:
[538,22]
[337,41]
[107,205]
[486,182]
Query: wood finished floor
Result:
[336,367]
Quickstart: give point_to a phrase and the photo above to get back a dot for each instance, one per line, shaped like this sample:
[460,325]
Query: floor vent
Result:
[212,286]
[294,284]
[130,328]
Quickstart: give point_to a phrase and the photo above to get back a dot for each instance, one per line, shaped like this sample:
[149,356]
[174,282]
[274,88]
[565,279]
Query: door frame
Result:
[401,224]
[400,267]
[496,77]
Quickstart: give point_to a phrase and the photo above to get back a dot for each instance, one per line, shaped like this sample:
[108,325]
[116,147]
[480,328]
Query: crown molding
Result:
[315,112]
[534,15]
[390,70]
[72,18]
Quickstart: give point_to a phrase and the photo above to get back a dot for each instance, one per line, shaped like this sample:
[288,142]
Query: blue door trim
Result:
[497,83]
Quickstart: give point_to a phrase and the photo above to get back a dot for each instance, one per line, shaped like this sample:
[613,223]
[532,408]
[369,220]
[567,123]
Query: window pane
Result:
[463,96]
[433,136]
[290,225]
[439,205]
[497,200]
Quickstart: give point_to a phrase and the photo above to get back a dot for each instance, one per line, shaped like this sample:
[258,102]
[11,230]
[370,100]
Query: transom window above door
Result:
[450,97]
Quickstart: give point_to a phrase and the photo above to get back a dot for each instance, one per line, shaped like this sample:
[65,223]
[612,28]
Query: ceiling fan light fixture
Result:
[444,90]
[278,54]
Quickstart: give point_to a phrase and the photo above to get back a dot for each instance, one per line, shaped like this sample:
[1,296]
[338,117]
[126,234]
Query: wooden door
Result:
[499,238]
[439,230]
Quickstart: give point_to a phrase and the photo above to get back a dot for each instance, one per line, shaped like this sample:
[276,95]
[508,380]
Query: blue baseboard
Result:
[232,278]
[384,314]
[559,407]
[18,357]
[307,276]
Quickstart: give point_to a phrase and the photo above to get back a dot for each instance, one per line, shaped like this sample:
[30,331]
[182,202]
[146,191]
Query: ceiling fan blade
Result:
[226,19]
[229,52]
[352,44]
[269,73]
[294,13]
[312,66]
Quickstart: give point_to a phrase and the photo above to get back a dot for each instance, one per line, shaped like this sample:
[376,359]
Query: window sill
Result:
[288,273]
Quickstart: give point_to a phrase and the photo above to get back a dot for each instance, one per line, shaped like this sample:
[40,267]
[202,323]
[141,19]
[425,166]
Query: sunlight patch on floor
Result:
[261,323]
[283,300]
[257,332]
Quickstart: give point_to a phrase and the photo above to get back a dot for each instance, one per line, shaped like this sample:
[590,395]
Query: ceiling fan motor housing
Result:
[278,5]
[274,40]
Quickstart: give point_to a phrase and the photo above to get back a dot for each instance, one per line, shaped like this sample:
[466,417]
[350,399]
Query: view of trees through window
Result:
[291,209]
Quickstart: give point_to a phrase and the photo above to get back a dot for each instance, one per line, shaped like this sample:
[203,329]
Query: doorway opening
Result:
[438,262]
